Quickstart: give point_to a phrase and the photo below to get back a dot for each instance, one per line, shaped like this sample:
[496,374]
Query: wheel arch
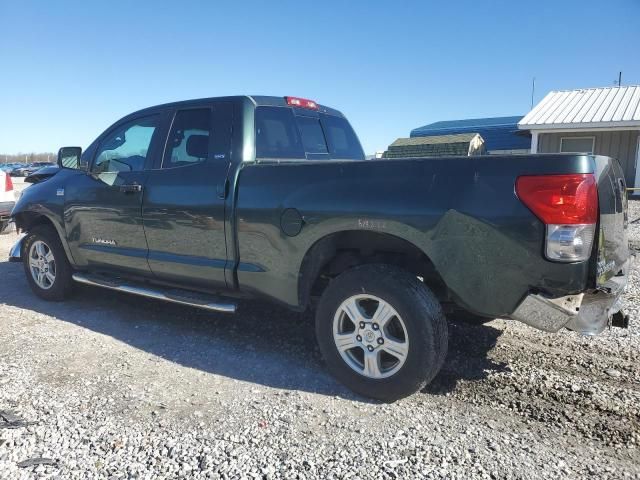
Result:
[26,221]
[336,252]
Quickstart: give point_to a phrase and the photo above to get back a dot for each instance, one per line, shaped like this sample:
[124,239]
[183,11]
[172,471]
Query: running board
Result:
[183,297]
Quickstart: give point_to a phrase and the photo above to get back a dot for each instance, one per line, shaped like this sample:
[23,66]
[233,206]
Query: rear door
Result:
[103,209]
[185,198]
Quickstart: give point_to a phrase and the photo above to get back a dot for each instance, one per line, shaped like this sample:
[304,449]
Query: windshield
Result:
[282,134]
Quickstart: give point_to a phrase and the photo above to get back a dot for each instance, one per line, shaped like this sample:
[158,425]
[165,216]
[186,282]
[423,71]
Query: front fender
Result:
[43,203]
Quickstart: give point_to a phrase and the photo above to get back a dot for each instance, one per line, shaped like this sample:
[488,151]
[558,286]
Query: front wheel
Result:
[46,265]
[381,331]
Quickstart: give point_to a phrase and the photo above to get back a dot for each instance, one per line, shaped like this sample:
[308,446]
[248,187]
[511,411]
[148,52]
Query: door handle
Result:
[223,190]
[131,188]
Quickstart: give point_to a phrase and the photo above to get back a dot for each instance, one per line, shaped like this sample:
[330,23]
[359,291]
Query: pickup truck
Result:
[207,202]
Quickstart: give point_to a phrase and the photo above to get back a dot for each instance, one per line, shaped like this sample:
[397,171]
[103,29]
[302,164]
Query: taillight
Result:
[568,206]
[8,183]
[301,103]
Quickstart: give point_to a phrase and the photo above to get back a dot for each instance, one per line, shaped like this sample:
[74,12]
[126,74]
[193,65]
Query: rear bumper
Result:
[587,313]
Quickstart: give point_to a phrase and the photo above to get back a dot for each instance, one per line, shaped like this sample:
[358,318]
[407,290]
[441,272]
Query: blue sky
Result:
[69,69]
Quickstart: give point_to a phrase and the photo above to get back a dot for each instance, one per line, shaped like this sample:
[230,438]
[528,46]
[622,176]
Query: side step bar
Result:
[182,297]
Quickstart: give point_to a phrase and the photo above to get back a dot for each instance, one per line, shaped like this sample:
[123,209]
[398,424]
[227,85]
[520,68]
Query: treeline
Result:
[28,157]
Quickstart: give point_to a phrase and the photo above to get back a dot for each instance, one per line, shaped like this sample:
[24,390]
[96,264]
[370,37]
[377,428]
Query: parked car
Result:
[9,167]
[207,201]
[28,169]
[42,174]
[7,200]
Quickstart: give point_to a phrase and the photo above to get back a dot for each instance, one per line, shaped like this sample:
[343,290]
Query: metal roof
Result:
[467,123]
[499,133]
[586,108]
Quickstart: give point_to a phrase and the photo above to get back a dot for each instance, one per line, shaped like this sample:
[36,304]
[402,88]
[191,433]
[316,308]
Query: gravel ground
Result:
[112,386]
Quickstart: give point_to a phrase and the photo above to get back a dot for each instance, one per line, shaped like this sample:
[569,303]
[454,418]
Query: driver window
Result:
[125,148]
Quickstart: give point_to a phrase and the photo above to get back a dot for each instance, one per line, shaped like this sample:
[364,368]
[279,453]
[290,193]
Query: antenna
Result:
[533,90]
[619,82]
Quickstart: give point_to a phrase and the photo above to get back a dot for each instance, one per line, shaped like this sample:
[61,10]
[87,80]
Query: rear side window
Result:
[277,134]
[188,141]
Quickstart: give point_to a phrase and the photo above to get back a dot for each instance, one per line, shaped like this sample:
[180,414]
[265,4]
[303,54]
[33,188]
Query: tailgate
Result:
[612,242]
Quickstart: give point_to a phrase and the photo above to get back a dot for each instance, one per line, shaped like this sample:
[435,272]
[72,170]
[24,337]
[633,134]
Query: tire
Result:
[416,327]
[58,283]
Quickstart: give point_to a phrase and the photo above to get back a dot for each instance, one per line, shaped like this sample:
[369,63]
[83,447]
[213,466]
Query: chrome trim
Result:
[15,253]
[155,294]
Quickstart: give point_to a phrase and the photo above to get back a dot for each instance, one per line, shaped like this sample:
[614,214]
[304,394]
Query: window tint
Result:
[277,134]
[125,149]
[188,140]
[342,140]
[312,135]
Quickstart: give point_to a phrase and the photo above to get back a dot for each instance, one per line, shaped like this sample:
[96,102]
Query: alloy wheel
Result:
[370,336]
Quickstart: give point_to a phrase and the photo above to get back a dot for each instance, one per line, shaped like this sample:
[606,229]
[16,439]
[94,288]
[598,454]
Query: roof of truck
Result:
[257,100]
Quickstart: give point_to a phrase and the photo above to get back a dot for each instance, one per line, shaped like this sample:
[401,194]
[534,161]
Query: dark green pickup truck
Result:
[204,202]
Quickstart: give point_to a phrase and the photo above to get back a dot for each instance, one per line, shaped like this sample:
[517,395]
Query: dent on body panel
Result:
[483,267]
[489,268]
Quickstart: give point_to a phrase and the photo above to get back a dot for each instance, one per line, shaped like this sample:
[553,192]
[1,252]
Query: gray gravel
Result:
[113,386]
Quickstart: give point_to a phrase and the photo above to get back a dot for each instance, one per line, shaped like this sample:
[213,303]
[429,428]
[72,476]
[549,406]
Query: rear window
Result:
[276,134]
[341,138]
[281,134]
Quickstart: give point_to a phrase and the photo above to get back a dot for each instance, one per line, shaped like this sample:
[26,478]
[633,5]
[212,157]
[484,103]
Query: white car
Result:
[7,199]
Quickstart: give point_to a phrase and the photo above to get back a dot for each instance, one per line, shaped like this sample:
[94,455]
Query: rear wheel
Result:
[381,331]
[46,265]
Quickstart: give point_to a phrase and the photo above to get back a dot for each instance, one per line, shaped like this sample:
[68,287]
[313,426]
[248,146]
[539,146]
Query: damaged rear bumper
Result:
[587,313]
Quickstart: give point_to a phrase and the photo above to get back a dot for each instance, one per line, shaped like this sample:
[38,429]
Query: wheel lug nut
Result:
[375,326]
[362,325]
[358,338]
[380,341]
[370,348]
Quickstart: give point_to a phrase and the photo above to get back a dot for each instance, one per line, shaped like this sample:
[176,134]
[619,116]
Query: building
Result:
[500,134]
[461,144]
[604,121]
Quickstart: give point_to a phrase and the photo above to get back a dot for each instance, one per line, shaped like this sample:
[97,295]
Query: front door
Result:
[185,196]
[103,209]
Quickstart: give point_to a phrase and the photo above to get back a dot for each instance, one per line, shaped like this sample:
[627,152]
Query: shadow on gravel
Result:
[262,343]
[467,359]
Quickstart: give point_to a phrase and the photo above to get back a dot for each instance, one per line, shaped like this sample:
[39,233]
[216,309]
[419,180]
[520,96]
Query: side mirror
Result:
[69,157]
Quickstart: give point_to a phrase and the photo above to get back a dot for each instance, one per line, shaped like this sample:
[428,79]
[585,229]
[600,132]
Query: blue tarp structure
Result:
[499,133]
